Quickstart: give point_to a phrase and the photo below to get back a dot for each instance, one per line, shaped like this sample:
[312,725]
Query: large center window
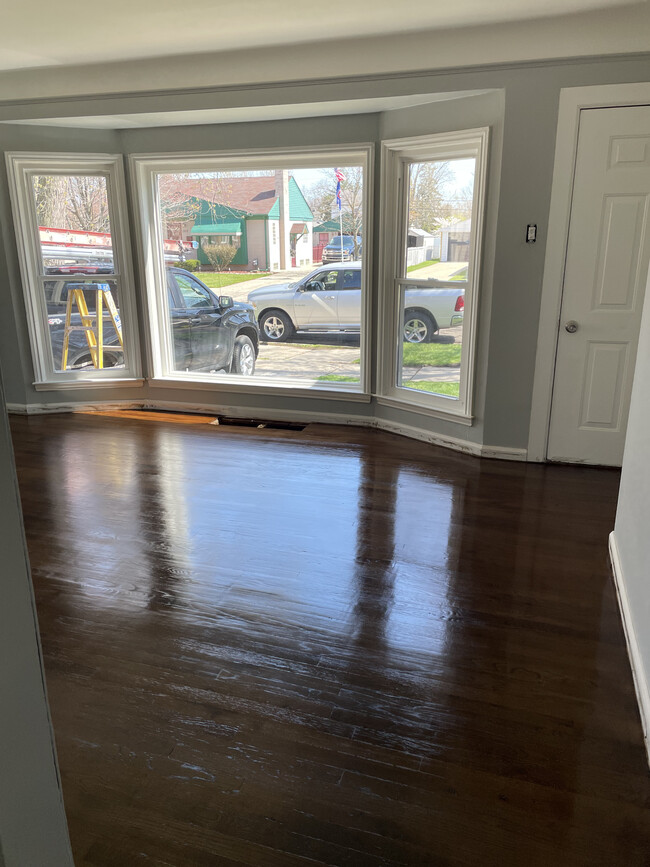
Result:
[256,273]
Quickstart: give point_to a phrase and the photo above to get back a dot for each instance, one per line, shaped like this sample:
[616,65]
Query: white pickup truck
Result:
[329,299]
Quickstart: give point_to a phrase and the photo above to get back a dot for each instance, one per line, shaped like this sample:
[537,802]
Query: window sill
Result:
[278,386]
[434,412]
[104,382]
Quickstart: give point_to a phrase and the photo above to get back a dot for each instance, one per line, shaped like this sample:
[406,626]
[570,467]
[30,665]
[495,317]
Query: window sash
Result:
[22,167]
[397,157]
[146,169]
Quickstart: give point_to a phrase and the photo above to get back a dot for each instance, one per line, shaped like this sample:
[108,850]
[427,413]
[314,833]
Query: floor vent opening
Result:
[259,423]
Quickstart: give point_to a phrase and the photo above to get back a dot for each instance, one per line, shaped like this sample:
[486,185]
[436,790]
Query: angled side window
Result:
[70,224]
[433,213]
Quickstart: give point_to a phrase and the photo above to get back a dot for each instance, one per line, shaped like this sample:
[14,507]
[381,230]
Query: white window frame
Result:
[21,168]
[396,157]
[145,167]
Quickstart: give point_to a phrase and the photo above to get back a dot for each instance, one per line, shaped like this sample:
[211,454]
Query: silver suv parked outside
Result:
[329,299]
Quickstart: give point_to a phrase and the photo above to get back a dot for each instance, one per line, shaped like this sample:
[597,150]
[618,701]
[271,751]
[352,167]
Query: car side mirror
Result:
[226,301]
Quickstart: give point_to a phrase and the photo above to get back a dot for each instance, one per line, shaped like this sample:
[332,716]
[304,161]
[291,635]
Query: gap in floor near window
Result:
[263,274]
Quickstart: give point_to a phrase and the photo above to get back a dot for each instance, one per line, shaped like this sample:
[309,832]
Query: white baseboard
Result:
[270,414]
[641,684]
[44,408]
[448,442]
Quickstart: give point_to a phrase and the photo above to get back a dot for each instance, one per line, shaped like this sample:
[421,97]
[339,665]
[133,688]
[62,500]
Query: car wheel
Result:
[243,356]
[87,361]
[419,327]
[276,326]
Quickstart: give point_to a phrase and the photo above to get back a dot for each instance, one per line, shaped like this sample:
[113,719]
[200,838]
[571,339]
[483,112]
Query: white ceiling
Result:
[68,33]
[245,114]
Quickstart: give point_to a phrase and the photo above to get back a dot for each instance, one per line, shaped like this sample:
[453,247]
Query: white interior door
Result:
[606,268]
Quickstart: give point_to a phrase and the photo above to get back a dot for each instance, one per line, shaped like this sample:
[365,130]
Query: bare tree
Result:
[88,203]
[50,200]
[428,207]
[74,202]
[177,205]
[321,198]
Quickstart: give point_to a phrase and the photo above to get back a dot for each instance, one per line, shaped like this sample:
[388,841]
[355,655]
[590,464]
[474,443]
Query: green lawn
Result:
[337,377]
[219,281]
[422,265]
[431,354]
[449,388]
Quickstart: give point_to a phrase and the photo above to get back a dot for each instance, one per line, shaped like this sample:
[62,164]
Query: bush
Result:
[188,264]
[220,255]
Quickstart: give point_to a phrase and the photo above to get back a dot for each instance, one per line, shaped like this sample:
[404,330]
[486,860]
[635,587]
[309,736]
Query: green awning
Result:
[216,229]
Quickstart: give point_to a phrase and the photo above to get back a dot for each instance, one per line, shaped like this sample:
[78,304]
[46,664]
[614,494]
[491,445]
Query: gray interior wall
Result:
[523,117]
[33,828]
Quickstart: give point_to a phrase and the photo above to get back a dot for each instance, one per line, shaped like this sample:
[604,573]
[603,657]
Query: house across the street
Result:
[250,214]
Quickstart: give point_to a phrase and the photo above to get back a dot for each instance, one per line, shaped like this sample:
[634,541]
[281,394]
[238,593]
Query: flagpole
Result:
[339,203]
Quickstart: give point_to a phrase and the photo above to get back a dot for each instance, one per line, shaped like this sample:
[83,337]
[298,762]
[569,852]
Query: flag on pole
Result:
[339,177]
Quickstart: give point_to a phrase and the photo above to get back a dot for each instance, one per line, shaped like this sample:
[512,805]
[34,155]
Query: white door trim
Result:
[572,101]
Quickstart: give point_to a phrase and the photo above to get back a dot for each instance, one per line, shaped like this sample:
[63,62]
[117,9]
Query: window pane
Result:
[74,226]
[192,294]
[437,249]
[277,243]
[87,346]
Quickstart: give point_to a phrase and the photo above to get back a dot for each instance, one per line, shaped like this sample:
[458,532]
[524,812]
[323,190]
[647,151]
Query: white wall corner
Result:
[641,685]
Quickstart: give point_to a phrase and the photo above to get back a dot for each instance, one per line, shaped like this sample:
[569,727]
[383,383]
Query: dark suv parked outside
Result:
[343,248]
[209,332]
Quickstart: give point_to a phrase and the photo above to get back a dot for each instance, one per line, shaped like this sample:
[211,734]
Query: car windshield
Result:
[346,241]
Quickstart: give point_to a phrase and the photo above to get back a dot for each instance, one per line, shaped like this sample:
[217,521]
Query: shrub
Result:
[220,255]
[191,265]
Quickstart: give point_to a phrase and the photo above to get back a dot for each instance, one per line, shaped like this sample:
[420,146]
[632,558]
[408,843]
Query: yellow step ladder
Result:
[92,325]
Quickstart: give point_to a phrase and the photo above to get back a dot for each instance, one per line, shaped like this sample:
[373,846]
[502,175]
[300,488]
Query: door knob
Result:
[571,327]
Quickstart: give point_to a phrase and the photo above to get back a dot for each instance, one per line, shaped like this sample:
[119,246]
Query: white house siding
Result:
[305,248]
[273,232]
[256,243]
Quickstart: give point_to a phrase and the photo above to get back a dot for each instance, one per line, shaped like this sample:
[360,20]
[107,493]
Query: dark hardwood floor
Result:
[328,646]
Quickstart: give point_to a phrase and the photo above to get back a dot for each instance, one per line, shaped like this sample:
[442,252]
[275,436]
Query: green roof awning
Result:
[216,228]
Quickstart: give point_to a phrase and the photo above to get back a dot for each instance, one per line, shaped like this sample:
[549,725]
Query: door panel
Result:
[317,308]
[209,349]
[608,254]
[349,306]
[605,372]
